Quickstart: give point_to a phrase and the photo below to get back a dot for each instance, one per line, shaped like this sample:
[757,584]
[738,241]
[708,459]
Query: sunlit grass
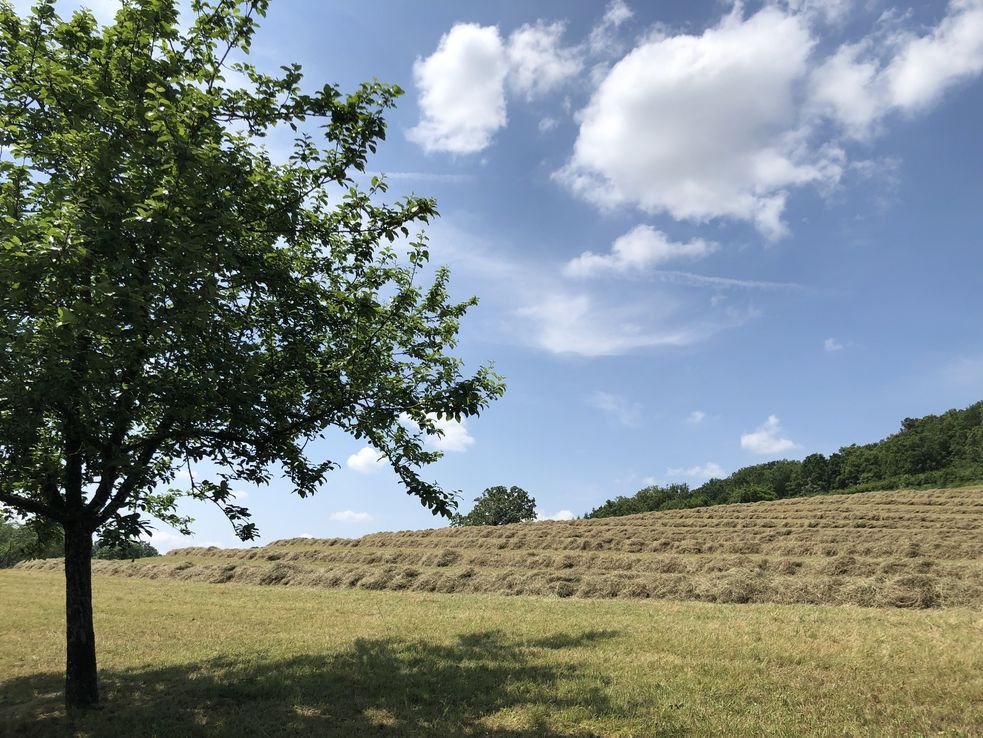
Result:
[187,658]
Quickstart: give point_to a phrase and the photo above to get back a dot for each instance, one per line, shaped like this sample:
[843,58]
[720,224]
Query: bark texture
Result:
[81,681]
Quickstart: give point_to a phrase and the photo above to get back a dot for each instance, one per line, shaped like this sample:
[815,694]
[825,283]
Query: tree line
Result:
[22,542]
[937,450]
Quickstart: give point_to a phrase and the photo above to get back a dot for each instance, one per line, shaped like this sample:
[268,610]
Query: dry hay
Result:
[881,549]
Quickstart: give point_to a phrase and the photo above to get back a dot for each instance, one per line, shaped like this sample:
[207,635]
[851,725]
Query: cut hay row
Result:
[890,549]
[737,585]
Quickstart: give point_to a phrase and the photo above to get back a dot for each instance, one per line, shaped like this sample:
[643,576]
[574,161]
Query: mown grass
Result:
[917,549]
[187,658]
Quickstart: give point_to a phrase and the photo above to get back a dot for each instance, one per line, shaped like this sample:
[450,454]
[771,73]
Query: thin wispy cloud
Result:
[351,516]
[618,407]
[710,470]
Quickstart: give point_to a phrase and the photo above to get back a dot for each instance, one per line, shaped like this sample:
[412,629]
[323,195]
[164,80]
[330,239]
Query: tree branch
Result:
[25,504]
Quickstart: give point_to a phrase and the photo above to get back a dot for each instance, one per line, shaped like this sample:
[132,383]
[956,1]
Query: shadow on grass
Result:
[374,688]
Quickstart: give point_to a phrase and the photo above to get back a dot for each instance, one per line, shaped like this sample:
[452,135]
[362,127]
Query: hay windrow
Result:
[921,549]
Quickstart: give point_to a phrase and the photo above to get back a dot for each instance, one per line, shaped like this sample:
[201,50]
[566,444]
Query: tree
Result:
[173,293]
[499,506]
[41,540]
[130,550]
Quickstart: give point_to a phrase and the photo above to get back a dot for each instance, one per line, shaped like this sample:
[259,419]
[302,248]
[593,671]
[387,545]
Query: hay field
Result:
[192,659]
[914,549]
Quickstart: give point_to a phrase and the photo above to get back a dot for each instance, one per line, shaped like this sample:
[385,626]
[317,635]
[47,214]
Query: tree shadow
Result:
[383,687]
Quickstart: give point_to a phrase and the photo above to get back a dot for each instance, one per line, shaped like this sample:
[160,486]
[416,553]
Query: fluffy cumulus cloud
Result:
[710,470]
[462,85]
[768,438]
[896,70]
[451,435]
[538,61]
[702,126]
[350,516]
[461,90]
[729,122]
[641,248]
[366,461]
[620,408]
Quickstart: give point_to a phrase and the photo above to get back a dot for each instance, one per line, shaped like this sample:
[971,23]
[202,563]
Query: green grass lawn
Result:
[185,659]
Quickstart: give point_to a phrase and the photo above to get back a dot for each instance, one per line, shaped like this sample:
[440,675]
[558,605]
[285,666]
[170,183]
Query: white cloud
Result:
[767,439]
[306,535]
[366,461]
[728,123]
[350,516]
[547,124]
[452,435]
[831,344]
[696,417]
[455,435]
[829,11]
[710,470]
[617,13]
[896,70]
[703,126]
[928,65]
[538,62]
[841,90]
[618,407]
[602,37]
[575,324]
[544,311]
[639,249]
[561,515]
[462,90]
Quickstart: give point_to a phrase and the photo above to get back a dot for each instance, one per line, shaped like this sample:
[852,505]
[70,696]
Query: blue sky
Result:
[704,235]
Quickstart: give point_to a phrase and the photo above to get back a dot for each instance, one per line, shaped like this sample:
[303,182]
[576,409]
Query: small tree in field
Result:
[173,294]
[499,506]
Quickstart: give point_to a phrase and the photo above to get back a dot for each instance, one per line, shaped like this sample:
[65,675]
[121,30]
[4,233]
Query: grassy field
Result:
[916,549]
[188,658]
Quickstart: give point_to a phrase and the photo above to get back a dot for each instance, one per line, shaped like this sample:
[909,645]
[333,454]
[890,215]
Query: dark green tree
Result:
[38,540]
[129,550]
[172,293]
[499,506]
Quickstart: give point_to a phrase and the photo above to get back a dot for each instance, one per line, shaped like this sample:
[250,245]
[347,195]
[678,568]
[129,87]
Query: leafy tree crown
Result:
[499,506]
[175,293]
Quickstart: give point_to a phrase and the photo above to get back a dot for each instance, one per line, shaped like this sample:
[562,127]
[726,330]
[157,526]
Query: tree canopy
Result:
[175,293]
[499,505]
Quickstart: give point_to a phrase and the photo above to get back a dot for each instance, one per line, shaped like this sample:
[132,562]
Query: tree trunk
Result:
[81,685]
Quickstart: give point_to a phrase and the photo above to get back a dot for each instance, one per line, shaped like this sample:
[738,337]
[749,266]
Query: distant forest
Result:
[937,450]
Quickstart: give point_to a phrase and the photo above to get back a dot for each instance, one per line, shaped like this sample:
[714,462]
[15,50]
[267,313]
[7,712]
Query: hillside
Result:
[934,451]
[893,549]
